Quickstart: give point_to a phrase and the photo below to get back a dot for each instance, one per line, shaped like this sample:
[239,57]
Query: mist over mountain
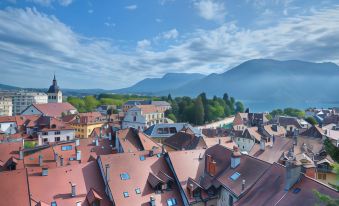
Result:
[165,84]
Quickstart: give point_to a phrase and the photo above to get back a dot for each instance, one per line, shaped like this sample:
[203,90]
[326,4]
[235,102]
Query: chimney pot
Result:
[78,155]
[40,160]
[107,166]
[21,154]
[77,142]
[243,185]
[73,189]
[152,201]
[61,161]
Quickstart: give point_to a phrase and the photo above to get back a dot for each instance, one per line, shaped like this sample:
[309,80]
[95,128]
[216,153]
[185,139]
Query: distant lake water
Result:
[262,106]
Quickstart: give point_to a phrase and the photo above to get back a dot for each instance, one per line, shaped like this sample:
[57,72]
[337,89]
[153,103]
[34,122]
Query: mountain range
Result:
[265,81]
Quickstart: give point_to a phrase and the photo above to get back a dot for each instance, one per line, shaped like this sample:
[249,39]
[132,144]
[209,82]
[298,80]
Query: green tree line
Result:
[201,110]
[288,112]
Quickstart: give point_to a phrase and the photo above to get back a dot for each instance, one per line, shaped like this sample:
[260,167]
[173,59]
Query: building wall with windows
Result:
[23,100]
[138,119]
[6,106]
[45,137]
[244,144]
[85,130]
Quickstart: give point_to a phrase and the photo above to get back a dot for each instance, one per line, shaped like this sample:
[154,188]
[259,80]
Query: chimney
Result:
[163,151]
[78,155]
[260,128]
[56,156]
[77,142]
[219,141]
[61,161]
[262,144]
[292,172]
[107,172]
[152,201]
[208,159]
[40,160]
[235,157]
[243,185]
[73,189]
[21,154]
[275,127]
[44,171]
[151,153]
[96,142]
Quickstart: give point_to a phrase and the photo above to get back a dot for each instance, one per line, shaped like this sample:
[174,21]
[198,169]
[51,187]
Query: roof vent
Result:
[44,171]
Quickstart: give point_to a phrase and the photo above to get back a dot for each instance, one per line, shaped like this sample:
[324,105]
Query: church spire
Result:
[54,80]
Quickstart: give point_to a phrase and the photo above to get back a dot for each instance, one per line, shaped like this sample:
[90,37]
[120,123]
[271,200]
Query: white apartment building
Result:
[6,106]
[142,117]
[51,135]
[22,100]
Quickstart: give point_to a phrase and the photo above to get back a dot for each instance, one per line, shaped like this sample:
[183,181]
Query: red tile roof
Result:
[185,139]
[9,150]
[138,172]
[269,190]
[132,140]
[148,109]
[56,185]
[14,189]
[54,109]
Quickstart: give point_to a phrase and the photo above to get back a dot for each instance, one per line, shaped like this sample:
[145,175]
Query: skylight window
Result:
[142,158]
[158,155]
[172,202]
[137,191]
[53,203]
[66,148]
[235,176]
[126,194]
[124,176]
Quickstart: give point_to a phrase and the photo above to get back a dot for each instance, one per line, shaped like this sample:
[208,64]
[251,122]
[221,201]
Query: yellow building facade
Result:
[84,130]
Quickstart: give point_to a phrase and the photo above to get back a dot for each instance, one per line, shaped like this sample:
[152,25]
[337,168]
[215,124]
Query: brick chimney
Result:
[235,157]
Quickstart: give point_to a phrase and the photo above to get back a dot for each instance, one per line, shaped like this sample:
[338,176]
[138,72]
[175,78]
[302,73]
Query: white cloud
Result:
[35,43]
[108,24]
[50,2]
[143,44]
[210,9]
[171,34]
[131,7]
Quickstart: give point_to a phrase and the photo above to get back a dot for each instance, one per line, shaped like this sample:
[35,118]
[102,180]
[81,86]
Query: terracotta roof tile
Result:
[54,109]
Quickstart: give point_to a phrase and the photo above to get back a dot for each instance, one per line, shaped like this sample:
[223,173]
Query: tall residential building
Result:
[54,92]
[6,106]
[22,100]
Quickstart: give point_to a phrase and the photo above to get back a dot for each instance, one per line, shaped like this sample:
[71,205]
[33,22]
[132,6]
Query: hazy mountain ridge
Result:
[167,83]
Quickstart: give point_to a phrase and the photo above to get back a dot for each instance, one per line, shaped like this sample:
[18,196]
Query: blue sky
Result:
[115,43]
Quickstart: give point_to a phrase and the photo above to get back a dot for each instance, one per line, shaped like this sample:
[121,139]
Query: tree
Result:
[311,120]
[199,111]
[90,103]
[172,117]
[227,111]
[239,107]
[169,97]
[109,113]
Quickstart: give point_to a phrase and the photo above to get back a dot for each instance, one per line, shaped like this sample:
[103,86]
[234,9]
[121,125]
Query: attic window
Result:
[124,176]
[142,158]
[171,202]
[137,191]
[235,176]
[126,194]
[66,148]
